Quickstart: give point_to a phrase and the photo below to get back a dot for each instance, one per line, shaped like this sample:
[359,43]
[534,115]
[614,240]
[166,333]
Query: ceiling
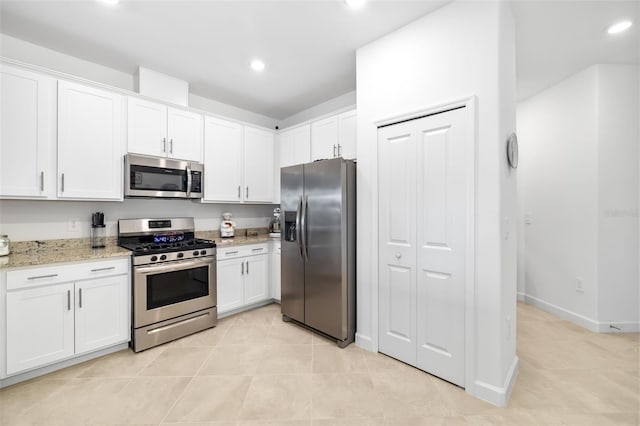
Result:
[308,46]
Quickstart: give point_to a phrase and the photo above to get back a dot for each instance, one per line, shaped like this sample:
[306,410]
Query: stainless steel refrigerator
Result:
[318,201]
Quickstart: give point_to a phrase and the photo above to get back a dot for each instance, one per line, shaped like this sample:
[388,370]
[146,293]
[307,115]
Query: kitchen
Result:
[33,225]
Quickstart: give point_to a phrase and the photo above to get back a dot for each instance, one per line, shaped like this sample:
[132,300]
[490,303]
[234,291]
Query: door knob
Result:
[398,255]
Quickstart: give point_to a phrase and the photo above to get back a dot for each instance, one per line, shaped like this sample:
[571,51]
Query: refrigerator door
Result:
[292,279]
[324,235]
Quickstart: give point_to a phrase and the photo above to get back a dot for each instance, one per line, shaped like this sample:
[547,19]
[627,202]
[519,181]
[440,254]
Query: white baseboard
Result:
[364,342]
[583,321]
[520,296]
[496,395]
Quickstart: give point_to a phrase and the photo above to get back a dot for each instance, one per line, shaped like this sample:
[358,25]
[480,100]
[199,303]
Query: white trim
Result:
[581,320]
[364,342]
[520,296]
[499,395]
[310,121]
[469,102]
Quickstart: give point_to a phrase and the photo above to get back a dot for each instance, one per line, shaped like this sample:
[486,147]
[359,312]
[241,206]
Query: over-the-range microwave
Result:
[158,177]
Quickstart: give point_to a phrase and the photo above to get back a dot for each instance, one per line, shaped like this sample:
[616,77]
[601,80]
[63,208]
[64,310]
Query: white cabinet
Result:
[258,165]
[90,143]
[276,271]
[48,320]
[242,276]
[324,139]
[27,134]
[158,130]
[295,146]
[223,160]
[238,163]
[347,135]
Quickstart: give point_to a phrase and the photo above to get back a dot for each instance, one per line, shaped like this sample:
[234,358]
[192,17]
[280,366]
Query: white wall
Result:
[579,157]
[20,50]
[338,104]
[24,220]
[450,54]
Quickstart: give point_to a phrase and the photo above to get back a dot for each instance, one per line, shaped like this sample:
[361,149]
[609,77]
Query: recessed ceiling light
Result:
[109,1]
[257,65]
[619,27]
[355,4]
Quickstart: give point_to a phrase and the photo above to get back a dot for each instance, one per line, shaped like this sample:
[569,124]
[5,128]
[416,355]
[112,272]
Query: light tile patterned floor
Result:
[253,369]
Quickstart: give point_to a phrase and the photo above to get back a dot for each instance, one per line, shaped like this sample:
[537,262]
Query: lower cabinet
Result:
[52,321]
[276,271]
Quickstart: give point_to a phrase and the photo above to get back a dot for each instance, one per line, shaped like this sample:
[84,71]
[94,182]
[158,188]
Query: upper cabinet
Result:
[90,143]
[330,137]
[295,146]
[324,139]
[162,131]
[238,163]
[347,134]
[27,134]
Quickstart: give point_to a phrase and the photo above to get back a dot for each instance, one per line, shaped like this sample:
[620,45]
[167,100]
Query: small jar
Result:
[5,245]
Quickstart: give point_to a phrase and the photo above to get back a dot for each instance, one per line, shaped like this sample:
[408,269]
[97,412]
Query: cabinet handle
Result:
[239,189]
[334,151]
[258,249]
[242,268]
[164,144]
[68,300]
[339,150]
[41,181]
[42,276]
[247,267]
[80,298]
[103,269]
[171,146]
[247,192]
[62,184]
[229,253]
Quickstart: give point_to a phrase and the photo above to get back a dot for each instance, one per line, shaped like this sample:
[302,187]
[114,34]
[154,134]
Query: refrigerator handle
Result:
[303,221]
[298,227]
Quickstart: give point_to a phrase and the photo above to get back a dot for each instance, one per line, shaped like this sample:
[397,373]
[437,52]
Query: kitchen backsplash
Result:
[25,220]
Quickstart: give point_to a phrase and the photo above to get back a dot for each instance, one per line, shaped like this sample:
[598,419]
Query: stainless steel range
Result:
[174,279]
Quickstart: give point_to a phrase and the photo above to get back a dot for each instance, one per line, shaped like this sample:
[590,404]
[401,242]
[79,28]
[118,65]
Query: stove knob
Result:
[154,258]
[195,253]
[203,252]
[180,255]
[163,257]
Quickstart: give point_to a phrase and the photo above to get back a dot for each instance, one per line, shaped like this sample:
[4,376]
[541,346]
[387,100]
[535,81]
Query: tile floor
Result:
[253,369]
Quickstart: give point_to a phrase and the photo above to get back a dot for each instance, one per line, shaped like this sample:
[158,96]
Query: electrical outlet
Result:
[579,285]
[527,219]
[73,225]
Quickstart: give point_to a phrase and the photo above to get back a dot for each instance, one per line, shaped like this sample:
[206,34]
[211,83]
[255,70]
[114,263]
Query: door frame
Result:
[470,105]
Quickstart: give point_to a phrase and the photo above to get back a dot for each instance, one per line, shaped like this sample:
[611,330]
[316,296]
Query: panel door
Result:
[27,134]
[184,130]
[397,242]
[324,139]
[258,165]
[146,127]
[348,123]
[287,148]
[90,143]
[222,160]
[441,231]
[276,272]
[230,284]
[102,313]
[302,144]
[39,326]
[256,279]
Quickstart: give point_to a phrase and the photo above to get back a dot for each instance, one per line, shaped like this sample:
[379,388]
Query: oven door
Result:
[169,290]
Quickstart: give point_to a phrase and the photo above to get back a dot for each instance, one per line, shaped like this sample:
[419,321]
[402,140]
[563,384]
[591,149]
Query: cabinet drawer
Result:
[242,251]
[55,274]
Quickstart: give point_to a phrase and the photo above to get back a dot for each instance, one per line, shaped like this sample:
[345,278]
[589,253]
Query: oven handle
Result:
[173,266]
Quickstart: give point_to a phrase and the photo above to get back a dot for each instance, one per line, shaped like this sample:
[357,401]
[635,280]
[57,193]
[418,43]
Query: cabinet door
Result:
[348,129]
[302,144]
[258,165]
[146,127]
[324,139]
[90,143]
[39,326]
[256,279]
[27,134]
[230,274]
[287,148]
[222,160]
[275,272]
[185,135]
[102,313]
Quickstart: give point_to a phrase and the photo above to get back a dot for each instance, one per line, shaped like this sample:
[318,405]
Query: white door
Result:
[422,212]
[230,284]
[276,272]
[324,139]
[185,134]
[90,143]
[287,148]
[302,144]
[146,127]
[102,312]
[222,160]
[258,165]
[27,134]
[39,326]
[348,124]
[397,247]
[441,231]
[256,279]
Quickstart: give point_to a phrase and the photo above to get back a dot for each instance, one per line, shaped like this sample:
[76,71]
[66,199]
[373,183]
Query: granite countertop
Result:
[243,240]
